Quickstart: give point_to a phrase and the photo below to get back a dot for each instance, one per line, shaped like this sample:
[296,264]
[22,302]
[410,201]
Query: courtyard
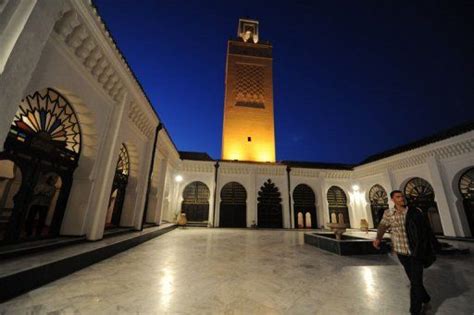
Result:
[239,271]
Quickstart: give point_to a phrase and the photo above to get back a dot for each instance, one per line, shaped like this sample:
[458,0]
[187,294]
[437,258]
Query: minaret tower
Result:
[248,131]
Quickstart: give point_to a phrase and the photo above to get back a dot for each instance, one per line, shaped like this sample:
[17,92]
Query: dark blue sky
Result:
[351,78]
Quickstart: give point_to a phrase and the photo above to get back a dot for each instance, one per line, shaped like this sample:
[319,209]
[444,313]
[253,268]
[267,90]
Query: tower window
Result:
[249,139]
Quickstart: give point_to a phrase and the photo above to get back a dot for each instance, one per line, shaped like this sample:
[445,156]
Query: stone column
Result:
[291,223]
[214,196]
[252,214]
[321,193]
[142,185]
[284,201]
[155,213]
[105,171]
[391,185]
[437,180]
[175,203]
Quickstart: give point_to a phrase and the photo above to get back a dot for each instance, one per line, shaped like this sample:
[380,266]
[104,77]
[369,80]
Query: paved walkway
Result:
[232,271]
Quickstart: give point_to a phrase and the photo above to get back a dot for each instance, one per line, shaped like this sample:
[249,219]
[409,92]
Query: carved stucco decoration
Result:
[138,117]
[275,171]
[197,167]
[448,151]
[72,30]
[238,170]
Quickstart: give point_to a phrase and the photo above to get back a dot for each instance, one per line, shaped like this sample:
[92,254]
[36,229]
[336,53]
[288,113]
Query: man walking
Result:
[411,240]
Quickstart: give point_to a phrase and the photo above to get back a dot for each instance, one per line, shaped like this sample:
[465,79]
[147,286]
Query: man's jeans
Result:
[414,270]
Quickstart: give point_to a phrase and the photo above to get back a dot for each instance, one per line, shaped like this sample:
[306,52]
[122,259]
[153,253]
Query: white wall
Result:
[112,110]
[104,114]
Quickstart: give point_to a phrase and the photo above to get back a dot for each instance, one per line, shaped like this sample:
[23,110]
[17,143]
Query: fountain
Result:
[338,229]
[340,244]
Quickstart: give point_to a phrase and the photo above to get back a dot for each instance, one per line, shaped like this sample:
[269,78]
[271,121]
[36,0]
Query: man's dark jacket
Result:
[420,237]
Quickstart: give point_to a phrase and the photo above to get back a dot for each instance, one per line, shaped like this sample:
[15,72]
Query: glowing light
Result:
[166,287]
[235,156]
[249,152]
[368,278]
[264,157]
[355,187]
[178,178]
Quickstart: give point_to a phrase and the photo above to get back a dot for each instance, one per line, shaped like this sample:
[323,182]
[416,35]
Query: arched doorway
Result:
[304,207]
[338,211]
[233,207]
[378,203]
[44,142]
[419,194]
[466,188]
[270,213]
[196,202]
[119,188]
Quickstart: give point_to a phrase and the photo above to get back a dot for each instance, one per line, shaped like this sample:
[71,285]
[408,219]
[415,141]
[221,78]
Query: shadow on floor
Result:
[443,283]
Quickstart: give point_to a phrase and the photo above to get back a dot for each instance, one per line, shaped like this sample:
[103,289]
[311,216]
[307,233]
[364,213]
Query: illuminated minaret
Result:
[248,131]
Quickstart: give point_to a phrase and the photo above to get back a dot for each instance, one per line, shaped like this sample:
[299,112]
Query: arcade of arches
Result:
[44,145]
[58,143]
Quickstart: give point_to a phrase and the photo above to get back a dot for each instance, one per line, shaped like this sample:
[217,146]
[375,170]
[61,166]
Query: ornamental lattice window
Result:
[249,87]
[419,190]
[46,115]
[123,163]
[338,210]
[196,202]
[378,203]
[466,184]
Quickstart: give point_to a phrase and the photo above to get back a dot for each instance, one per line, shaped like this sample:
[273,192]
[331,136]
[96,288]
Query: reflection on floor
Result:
[238,271]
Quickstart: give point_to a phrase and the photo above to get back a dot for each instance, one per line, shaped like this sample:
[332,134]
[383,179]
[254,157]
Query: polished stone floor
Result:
[233,271]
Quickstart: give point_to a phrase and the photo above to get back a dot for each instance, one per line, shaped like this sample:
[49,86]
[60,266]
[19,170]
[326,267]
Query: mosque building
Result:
[82,150]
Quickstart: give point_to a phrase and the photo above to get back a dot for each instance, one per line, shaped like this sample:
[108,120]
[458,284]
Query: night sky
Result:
[351,78]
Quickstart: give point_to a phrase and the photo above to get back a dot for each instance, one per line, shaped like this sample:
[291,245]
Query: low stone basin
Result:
[338,229]
[347,245]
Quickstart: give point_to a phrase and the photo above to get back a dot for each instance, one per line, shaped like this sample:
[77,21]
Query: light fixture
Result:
[178,178]
[355,187]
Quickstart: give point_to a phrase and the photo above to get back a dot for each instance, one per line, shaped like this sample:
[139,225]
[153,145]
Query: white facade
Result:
[64,45]
[440,163]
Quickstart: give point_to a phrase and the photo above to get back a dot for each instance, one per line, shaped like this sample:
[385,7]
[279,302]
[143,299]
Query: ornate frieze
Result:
[273,170]
[138,117]
[305,172]
[237,48]
[199,167]
[444,152]
[72,29]
[336,174]
[235,170]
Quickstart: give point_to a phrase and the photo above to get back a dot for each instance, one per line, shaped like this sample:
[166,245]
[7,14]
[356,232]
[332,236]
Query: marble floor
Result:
[237,271]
